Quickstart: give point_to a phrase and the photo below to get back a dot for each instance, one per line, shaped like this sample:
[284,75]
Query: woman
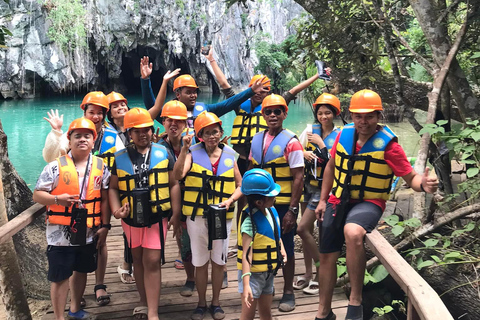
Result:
[142,178]
[211,177]
[320,139]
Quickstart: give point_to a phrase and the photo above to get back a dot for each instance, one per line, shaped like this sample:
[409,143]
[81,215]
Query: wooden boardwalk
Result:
[124,297]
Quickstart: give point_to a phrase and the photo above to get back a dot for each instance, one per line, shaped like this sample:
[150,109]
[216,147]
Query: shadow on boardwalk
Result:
[172,305]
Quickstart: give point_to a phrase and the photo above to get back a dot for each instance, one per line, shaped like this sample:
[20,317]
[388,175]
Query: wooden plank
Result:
[20,221]
[424,299]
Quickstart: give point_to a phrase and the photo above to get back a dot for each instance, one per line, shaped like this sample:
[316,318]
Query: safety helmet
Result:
[330,99]
[174,109]
[97,98]
[137,118]
[365,101]
[114,97]
[274,100]
[205,119]
[255,78]
[259,181]
[185,80]
[82,123]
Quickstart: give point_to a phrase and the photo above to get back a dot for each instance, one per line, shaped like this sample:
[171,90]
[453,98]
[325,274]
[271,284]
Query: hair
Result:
[330,107]
[109,112]
[104,111]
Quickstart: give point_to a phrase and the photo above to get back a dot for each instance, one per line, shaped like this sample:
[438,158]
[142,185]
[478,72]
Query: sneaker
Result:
[187,289]
[80,315]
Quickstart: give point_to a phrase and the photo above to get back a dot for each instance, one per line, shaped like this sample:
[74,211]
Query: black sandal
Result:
[102,300]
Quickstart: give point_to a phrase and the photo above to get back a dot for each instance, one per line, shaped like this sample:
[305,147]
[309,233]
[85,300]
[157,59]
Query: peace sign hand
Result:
[187,140]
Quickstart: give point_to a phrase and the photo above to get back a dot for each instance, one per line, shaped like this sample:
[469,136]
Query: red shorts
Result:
[145,237]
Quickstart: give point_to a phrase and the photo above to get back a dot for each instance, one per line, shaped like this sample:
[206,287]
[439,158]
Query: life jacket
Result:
[157,179]
[274,162]
[370,176]
[202,188]
[197,109]
[329,141]
[68,183]
[109,145]
[247,123]
[266,256]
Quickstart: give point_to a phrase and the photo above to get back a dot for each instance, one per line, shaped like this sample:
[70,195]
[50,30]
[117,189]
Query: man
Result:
[279,152]
[364,158]
[74,189]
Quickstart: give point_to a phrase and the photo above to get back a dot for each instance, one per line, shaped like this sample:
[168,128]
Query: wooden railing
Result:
[20,221]
[423,302]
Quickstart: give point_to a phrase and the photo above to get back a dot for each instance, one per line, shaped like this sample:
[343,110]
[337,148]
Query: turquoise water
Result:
[26,129]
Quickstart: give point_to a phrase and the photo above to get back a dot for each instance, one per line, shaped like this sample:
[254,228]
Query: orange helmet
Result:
[82,123]
[97,98]
[184,80]
[255,78]
[365,101]
[205,119]
[174,109]
[274,100]
[114,97]
[330,99]
[137,118]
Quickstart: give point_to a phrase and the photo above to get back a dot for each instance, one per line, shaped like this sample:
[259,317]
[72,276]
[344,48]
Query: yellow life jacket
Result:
[202,188]
[274,162]
[68,183]
[370,176]
[247,123]
[157,179]
[315,180]
[109,145]
[266,256]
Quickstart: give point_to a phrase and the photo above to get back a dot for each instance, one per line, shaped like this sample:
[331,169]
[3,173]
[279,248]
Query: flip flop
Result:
[140,313]
[102,300]
[122,271]
[310,290]
[232,253]
[302,282]
[179,264]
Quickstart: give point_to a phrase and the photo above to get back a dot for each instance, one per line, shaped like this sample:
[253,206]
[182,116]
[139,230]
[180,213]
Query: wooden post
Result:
[11,285]
[411,312]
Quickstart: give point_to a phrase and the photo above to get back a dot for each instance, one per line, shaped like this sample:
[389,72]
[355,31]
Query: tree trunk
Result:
[29,243]
[11,285]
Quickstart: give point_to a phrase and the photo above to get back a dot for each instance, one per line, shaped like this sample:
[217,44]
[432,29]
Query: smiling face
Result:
[141,136]
[95,114]
[81,140]
[188,96]
[274,116]
[174,127]
[258,97]
[118,109]
[366,123]
[211,135]
[325,115]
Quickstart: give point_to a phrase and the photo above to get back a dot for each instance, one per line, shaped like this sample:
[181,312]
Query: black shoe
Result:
[322,74]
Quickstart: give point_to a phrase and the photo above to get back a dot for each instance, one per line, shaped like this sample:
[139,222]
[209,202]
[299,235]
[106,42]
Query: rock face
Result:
[170,32]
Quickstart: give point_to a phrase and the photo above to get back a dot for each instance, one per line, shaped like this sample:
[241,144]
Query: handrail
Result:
[21,221]
[423,302]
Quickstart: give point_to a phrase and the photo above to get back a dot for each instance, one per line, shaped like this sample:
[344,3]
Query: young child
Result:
[259,232]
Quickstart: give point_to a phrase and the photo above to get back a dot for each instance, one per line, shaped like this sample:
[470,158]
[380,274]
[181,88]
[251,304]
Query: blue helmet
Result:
[258,181]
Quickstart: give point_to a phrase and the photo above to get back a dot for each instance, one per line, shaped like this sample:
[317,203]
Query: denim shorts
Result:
[311,196]
[260,283]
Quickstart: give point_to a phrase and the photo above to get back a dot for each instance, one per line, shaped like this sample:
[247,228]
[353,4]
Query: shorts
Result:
[311,196]
[63,260]
[364,214]
[260,283]
[287,238]
[198,232]
[185,250]
[242,165]
[145,237]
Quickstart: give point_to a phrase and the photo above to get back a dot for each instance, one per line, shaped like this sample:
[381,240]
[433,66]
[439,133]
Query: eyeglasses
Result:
[213,133]
[277,112]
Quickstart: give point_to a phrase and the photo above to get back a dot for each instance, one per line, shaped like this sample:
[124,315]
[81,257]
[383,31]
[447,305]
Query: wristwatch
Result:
[294,210]
[108,226]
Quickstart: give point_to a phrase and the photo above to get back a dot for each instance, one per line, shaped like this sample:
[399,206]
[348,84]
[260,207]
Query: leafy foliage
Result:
[68,23]
[401,227]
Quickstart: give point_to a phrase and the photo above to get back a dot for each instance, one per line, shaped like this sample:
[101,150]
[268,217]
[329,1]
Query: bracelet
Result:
[246,274]
[56,200]
[421,187]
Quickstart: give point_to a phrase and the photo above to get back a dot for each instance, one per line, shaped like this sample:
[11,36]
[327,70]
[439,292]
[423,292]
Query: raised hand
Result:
[187,140]
[209,56]
[315,138]
[171,74]
[156,136]
[145,67]
[225,139]
[258,86]
[55,121]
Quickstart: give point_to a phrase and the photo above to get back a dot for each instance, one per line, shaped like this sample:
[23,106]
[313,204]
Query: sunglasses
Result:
[277,112]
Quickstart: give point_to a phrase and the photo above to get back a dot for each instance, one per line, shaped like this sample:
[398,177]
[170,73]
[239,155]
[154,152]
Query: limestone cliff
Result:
[171,32]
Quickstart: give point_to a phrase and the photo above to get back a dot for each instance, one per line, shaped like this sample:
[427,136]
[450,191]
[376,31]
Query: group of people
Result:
[110,162]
